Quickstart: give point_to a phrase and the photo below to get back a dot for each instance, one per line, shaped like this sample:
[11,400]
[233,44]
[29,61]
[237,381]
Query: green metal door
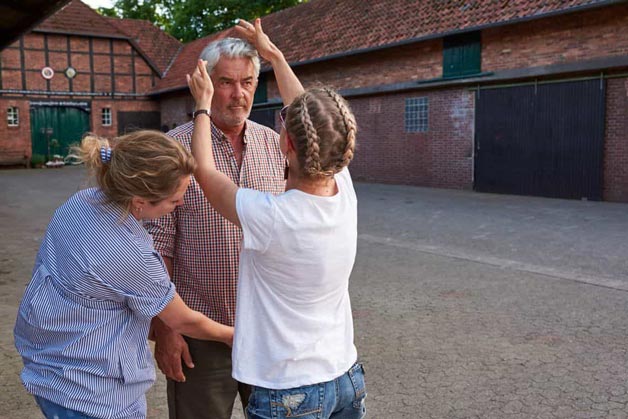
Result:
[66,125]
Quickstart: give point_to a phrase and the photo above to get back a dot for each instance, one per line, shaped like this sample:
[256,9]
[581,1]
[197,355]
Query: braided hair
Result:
[323,130]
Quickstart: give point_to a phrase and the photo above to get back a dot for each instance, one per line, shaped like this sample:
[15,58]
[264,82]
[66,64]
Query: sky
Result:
[98,3]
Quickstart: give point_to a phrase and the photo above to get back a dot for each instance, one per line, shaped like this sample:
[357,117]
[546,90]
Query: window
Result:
[106,117]
[462,55]
[13,116]
[417,110]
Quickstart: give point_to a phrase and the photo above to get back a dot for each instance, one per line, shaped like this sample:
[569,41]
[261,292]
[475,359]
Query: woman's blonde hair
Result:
[323,130]
[146,164]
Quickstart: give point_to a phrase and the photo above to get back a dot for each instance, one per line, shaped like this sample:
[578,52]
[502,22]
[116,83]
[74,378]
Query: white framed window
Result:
[106,117]
[416,115]
[13,116]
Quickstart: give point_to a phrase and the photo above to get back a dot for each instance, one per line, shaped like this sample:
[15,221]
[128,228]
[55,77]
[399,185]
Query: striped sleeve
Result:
[163,231]
[151,291]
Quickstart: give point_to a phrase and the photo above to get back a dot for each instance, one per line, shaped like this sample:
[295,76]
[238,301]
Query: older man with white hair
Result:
[201,248]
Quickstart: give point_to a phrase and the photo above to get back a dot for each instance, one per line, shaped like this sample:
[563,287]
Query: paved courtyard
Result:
[466,305]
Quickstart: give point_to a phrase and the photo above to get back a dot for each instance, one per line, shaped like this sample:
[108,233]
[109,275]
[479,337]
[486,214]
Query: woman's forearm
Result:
[198,326]
[182,319]
[202,145]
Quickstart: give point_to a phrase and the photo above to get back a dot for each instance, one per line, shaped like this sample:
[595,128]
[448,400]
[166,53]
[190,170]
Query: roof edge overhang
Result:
[80,33]
[46,13]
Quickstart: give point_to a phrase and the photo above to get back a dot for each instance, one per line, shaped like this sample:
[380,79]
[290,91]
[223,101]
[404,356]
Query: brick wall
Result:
[105,64]
[176,108]
[102,65]
[410,62]
[440,157]
[616,144]
[443,156]
[570,38]
[558,40]
[117,106]
[14,141]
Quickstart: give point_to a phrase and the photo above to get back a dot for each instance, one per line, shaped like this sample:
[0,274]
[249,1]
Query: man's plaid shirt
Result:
[204,246]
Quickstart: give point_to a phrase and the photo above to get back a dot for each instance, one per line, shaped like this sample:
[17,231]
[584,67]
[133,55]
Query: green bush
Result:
[38,160]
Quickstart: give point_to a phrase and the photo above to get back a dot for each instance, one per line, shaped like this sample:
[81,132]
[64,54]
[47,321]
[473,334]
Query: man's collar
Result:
[217,132]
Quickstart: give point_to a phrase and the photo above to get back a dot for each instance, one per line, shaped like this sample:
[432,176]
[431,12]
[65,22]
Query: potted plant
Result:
[38,160]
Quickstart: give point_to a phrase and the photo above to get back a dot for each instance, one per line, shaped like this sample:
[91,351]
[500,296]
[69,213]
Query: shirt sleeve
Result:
[152,290]
[256,211]
[163,230]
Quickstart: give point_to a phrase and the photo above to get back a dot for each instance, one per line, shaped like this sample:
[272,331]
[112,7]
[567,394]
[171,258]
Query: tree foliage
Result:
[187,20]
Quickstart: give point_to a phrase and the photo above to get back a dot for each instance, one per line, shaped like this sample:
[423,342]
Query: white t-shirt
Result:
[293,315]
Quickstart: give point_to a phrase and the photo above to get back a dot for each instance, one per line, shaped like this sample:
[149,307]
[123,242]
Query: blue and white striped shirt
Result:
[83,322]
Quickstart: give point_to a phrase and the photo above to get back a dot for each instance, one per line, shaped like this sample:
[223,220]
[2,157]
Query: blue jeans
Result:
[342,398]
[54,411]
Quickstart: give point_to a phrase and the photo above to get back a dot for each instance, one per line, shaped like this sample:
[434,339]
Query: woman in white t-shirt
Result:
[294,330]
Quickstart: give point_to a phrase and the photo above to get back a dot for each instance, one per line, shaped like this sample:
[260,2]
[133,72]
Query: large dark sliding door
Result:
[545,140]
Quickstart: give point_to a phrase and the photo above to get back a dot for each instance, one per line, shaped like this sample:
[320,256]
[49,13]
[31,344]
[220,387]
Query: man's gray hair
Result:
[231,48]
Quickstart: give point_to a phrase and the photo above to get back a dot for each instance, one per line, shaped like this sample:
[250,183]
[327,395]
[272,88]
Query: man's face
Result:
[234,87]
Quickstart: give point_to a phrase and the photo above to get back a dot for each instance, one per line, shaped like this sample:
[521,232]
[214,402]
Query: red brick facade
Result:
[15,142]
[176,109]
[110,73]
[616,144]
[443,157]
[562,39]
[587,43]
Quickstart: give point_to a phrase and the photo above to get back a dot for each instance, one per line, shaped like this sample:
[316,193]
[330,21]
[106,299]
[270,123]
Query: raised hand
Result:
[289,85]
[201,86]
[256,36]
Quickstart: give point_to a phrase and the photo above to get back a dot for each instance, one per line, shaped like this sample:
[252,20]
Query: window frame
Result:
[417,114]
[462,55]
[105,114]
[13,116]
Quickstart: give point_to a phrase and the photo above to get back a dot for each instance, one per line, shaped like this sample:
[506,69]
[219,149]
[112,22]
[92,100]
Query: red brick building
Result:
[513,97]
[76,72]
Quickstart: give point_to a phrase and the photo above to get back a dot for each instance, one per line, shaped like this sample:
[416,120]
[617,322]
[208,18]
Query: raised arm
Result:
[289,85]
[219,190]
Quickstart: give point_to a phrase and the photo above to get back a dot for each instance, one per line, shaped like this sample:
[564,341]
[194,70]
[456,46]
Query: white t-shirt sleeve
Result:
[256,211]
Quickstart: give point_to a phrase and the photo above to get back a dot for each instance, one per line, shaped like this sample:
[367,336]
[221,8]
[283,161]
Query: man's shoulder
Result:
[259,130]
[182,131]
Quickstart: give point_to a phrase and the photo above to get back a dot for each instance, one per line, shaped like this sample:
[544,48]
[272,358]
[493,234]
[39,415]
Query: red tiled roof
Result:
[158,46]
[323,28]
[78,18]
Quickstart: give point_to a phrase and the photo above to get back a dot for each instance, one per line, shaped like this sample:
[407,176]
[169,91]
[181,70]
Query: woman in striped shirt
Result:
[83,322]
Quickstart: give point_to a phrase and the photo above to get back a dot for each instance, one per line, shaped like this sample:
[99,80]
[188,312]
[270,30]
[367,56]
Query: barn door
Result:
[544,140]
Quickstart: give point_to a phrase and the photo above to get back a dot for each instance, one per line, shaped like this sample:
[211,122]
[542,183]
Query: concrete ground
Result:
[466,305]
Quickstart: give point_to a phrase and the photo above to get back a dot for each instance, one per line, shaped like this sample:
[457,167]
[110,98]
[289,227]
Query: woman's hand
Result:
[201,86]
[256,36]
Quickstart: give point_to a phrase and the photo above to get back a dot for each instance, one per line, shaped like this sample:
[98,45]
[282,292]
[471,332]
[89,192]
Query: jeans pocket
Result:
[356,374]
[300,402]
